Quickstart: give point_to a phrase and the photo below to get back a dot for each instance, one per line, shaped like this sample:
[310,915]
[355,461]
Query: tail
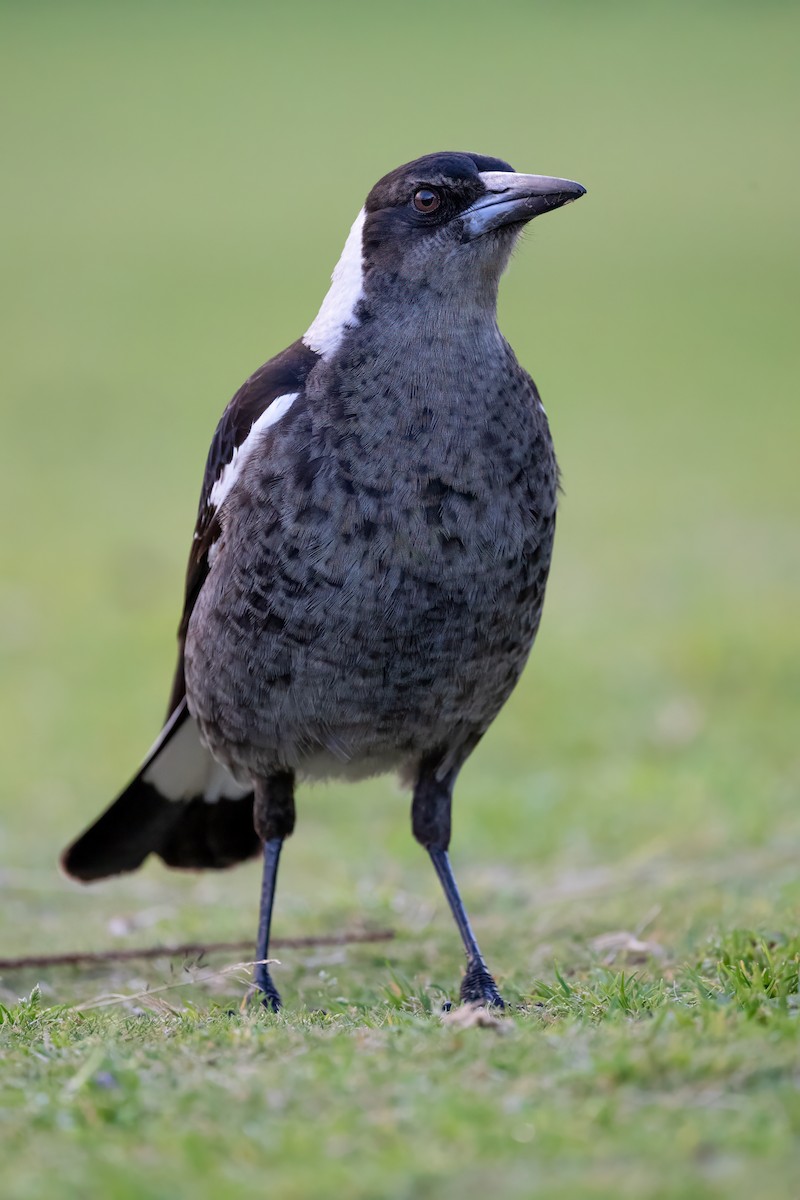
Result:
[183,806]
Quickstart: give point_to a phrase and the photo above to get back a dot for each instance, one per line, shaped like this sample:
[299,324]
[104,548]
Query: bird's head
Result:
[454,214]
[441,226]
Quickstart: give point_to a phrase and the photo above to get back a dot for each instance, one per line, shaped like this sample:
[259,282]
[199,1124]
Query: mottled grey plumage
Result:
[384,557]
[372,547]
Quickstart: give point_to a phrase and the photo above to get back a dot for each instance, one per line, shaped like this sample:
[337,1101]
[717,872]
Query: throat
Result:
[420,398]
[425,353]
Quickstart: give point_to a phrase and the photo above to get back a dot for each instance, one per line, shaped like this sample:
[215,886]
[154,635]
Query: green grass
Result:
[173,204]
[615,1084]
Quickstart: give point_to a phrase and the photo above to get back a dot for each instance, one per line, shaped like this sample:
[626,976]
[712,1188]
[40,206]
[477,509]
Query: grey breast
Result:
[382,570]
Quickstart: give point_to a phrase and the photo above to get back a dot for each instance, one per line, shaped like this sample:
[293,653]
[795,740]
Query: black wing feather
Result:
[287,372]
[191,832]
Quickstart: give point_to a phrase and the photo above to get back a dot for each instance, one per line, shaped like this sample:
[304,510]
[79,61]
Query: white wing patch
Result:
[184,768]
[232,470]
[337,313]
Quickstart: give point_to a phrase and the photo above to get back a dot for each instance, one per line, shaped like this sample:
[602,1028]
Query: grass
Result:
[627,836]
[596,1086]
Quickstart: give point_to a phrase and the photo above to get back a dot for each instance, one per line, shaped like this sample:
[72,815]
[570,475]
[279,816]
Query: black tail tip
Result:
[76,864]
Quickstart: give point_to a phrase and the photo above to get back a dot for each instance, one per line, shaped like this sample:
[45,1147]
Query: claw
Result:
[265,992]
[478,987]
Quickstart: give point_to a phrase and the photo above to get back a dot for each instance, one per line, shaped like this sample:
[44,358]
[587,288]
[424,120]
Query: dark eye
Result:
[426,200]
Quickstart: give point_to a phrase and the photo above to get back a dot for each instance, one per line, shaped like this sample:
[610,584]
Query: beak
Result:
[513,199]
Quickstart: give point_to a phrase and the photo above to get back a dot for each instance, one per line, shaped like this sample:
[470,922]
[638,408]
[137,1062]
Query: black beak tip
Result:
[566,195]
[575,192]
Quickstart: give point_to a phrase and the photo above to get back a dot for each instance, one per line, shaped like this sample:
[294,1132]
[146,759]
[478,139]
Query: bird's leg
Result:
[273,816]
[430,821]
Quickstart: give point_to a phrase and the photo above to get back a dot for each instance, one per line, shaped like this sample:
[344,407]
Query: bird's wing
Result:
[284,375]
[182,804]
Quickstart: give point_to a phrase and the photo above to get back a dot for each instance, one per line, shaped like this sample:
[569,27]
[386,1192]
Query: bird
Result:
[372,546]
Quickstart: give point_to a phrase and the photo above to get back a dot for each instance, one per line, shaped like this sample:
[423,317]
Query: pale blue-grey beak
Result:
[512,199]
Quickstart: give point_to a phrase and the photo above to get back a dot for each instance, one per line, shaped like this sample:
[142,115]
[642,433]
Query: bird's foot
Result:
[264,990]
[478,987]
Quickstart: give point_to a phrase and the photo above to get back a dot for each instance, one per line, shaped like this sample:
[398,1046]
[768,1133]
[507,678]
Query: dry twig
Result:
[190,950]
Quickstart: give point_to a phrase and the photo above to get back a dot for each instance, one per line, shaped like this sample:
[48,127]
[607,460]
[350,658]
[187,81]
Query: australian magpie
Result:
[368,568]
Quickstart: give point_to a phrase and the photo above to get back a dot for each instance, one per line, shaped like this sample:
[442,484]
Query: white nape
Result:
[337,313]
[183,768]
[231,471]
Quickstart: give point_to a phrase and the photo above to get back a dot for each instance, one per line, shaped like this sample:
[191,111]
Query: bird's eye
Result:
[426,200]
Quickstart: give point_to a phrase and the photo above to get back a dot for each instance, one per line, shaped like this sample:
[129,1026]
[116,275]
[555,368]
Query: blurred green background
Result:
[178,180]
[178,183]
